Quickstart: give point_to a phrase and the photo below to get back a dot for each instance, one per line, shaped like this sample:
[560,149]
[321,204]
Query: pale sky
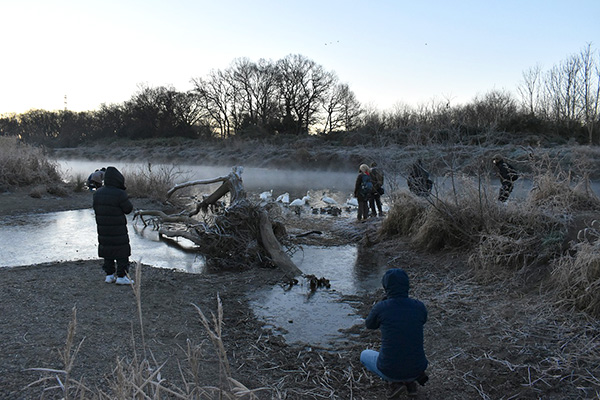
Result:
[387,51]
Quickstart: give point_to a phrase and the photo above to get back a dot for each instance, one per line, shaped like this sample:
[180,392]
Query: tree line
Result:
[297,96]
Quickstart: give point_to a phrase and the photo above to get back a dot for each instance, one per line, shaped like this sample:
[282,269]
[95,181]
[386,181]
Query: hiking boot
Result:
[394,389]
[411,387]
[124,280]
[110,278]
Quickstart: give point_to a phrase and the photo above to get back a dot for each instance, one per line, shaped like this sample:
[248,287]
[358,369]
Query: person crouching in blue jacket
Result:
[401,360]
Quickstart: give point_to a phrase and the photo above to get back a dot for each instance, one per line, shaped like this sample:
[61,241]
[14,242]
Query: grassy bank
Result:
[550,238]
[23,165]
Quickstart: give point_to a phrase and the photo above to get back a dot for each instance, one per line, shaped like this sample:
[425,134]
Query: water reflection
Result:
[71,235]
[316,317]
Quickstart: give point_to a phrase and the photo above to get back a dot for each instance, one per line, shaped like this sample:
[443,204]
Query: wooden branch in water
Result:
[193,183]
[162,216]
[273,248]
[232,184]
[234,177]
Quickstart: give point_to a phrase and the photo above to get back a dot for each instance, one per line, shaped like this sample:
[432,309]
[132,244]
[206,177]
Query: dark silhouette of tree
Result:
[303,85]
[215,95]
[342,110]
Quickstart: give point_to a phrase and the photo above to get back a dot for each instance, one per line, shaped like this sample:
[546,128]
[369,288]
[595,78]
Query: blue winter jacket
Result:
[401,321]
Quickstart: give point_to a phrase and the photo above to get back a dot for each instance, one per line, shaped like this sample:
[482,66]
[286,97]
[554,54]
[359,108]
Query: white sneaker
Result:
[110,278]
[124,281]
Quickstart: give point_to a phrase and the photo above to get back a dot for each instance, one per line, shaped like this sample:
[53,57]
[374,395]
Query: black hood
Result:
[112,177]
[395,283]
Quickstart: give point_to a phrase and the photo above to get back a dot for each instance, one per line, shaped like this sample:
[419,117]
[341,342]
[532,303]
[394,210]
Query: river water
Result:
[295,182]
[297,313]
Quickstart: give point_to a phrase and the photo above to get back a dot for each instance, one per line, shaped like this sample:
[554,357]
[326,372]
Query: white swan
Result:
[353,201]
[298,202]
[284,198]
[264,196]
[328,200]
[306,198]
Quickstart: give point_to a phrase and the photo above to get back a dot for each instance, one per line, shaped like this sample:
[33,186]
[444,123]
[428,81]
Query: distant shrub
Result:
[151,182]
[79,183]
[498,238]
[528,237]
[23,165]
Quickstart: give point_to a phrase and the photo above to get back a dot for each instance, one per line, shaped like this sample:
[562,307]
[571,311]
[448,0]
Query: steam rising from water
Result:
[295,182]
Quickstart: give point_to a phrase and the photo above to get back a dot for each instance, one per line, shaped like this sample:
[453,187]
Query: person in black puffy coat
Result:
[111,203]
[401,360]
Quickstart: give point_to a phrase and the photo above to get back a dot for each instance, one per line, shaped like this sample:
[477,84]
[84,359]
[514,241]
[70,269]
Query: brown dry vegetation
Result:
[512,293]
[23,165]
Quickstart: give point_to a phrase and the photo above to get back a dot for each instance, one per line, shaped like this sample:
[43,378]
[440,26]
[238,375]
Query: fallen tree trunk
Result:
[273,247]
[232,234]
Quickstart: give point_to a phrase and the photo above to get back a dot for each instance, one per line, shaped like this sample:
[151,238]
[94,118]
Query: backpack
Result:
[377,177]
[366,186]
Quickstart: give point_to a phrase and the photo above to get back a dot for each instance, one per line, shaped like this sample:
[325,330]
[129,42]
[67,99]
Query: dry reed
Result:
[141,376]
[152,181]
[22,164]
[577,274]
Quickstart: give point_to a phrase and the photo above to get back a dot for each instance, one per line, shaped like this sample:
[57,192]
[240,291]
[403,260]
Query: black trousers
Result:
[363,208]
[375,200]
[122,266]
[505,190]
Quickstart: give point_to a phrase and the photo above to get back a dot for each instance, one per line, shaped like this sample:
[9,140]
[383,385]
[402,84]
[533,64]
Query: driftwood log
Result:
[241,232]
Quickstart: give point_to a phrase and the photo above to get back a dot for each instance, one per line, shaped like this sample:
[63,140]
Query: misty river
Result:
[71,235]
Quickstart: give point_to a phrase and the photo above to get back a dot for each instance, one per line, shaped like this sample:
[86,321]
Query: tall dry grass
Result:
[140,377]
[524,237]
[576,275]
[152,181]
[23,165]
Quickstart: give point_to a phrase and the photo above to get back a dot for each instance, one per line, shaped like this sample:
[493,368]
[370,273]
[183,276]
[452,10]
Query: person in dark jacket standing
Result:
[363,189]
[375,199]
[418,180]
[508,175]
[401,360]
[111,203]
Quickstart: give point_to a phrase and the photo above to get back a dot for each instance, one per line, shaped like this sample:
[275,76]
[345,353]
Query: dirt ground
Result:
[498,340]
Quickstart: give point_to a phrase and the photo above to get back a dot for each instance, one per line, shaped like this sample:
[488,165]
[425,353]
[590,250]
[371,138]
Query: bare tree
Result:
[530,89]
[215,94]
[256,92]
[342,110]
[591,90]
[302,85]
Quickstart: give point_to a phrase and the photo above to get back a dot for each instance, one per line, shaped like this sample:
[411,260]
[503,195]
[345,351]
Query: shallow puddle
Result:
[316,317]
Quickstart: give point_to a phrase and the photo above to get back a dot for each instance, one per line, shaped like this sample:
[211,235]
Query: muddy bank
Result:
[498,340]
[52,198]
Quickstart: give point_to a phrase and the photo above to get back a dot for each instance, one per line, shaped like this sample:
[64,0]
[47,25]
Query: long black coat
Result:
[111,203]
